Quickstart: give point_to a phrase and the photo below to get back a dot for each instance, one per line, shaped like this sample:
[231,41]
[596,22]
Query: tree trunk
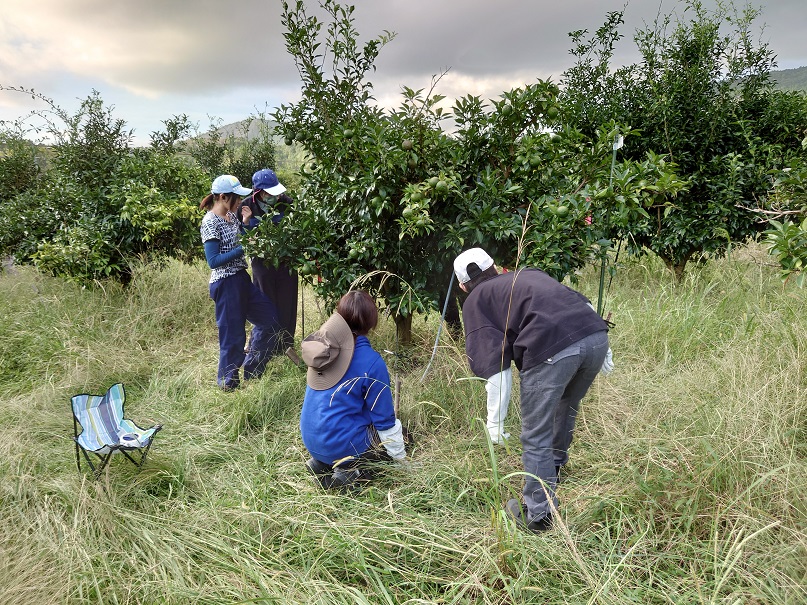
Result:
[403,328]
[677,268]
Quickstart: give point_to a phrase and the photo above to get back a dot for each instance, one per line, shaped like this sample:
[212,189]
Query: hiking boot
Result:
[518,513]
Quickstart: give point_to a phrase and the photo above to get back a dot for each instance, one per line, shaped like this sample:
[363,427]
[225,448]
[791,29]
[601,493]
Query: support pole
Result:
[440,327]
[618,142]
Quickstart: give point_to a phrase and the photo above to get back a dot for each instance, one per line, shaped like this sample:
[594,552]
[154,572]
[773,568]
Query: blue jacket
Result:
[334,423]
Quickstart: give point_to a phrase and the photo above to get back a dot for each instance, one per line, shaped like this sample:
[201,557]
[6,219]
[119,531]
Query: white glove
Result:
[499,387]
[392,440]
[404,464]
[608,364]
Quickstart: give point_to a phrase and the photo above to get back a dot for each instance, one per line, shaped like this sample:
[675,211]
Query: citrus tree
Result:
[700,96]
[390,197]
[245,148]
[786,210]
[20,161]
[102,203]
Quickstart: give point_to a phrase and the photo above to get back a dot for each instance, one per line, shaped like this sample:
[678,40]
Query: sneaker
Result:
[518,513]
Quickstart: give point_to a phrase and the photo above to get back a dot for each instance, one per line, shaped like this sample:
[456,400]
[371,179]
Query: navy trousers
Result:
[280,285]
[237,301]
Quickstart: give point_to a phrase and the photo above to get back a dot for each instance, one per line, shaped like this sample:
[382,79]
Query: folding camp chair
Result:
[106,431]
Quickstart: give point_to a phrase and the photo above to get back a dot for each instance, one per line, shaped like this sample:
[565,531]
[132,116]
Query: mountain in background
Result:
[249,128]
[783,79]
[790,79]
[287,157]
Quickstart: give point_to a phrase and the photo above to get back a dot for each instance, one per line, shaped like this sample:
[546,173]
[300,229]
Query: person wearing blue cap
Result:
[236,298]
[269,199]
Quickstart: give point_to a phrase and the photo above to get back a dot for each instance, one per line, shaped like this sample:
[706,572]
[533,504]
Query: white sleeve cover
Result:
[608,364]
[392,440]
[499,388]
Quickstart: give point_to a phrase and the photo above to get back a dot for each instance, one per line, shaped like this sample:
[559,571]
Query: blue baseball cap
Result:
[227,183]
[267,180]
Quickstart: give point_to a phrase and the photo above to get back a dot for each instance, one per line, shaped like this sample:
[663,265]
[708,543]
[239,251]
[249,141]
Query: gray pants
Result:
[550,397]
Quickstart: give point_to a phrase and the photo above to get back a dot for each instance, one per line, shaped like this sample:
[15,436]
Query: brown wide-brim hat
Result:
[328,353]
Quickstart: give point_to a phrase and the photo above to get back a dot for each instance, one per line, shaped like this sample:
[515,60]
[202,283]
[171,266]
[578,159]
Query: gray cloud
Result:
[162,57]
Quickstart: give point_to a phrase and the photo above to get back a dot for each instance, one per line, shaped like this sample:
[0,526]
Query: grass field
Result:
[687,481]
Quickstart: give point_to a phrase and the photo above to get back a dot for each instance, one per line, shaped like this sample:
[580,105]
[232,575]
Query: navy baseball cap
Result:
[267,180]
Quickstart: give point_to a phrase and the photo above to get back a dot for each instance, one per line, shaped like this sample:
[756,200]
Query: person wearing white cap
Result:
[348,418]
[557,342]
[269,201]
[236,298]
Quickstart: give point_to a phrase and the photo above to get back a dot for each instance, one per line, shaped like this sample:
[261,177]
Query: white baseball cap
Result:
[227,183]
[475,256]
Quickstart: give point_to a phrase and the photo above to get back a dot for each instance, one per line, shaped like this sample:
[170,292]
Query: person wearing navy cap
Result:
[236,298]
[278,283]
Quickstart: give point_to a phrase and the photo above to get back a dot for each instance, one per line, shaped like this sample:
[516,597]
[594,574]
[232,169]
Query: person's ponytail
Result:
[207,202]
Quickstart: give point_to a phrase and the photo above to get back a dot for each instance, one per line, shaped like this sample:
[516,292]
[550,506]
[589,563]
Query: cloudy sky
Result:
[153,59]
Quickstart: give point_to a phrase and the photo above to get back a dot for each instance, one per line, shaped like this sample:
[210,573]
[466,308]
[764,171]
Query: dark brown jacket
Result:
[523,317]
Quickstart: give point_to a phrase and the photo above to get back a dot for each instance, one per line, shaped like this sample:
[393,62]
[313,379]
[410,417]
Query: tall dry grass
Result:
[686,482]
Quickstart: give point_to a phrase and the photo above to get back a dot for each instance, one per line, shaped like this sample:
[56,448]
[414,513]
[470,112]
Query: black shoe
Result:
[348,480]
[318,468]
[323,472]
[518,513]
[537,526]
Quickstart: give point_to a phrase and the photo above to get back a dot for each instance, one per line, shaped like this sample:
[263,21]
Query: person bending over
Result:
[557,341]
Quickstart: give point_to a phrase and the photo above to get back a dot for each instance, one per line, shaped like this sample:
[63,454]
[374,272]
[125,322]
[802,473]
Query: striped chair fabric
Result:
[103,426]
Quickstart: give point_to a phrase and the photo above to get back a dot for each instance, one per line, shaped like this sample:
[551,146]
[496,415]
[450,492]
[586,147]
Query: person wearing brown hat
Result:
[348,417]
[557,341]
